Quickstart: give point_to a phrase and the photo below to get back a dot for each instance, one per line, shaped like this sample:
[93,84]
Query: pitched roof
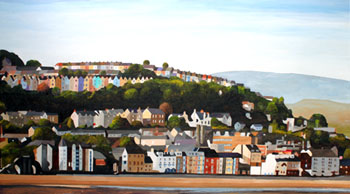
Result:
[15,135]
[99,155]
[47,68]
[155,137]
[149,148]
[208,152]
[26,68]
[230,155]
[148,160]
[253,148]
[322,152]
[155,111]
[33,113]
[181,137]
[39,142]
[134,149]
[200,115]
[345,162]
[85,113]
[63,142]
[219,114]
[295,159]
[181,148]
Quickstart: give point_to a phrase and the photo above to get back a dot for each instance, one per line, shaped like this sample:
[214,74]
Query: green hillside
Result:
[337,114]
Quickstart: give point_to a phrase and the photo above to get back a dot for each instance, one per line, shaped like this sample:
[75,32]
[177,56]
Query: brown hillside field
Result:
[337,114]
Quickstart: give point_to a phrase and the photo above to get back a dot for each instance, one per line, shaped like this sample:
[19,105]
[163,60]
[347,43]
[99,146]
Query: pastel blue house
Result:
[65,83]
[97,82]
[116,81]
[239,126]
[188,78]
[168,72]
[81,84]
[24,83]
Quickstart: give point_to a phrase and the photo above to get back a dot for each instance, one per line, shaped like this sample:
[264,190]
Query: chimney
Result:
[202,135]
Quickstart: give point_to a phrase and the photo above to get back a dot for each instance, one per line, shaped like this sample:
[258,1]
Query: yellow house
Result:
[86,83]
[123,81]
[250,153]
[52,83]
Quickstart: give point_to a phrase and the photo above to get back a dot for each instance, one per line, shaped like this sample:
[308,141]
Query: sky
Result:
[208,36]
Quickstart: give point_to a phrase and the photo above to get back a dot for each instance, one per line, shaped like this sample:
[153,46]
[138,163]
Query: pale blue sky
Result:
[289,36]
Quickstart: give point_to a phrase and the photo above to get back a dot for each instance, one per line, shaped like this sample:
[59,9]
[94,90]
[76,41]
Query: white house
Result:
[269,166]
[43,153]
[105,117]
[83,118]
[324,162]
[198,118]
[164,162]
[77,157]
[63,155]
[225,118]
[239,126]
[256,127]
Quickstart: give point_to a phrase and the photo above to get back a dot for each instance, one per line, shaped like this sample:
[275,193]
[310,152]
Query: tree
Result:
[317,120]
[119,123]
[70,123]
[216,124]
[56,91]
[43,87]
[271,108]
[130,94]
[12,151]
[281,100]
[103,72]
[64,71]
[78,73]
[136,70]
[166,108]
[146,62]
[30,123]
[347,153]
[44,122]
[173,122]
[12,57]
[124,141]
[2,107]
[82,126]
[136,124]
[33,63]
[43,133]
[165,65]
[319,139]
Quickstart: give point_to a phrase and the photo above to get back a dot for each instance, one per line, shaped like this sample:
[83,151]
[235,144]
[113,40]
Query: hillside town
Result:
[153,148]
[260,139]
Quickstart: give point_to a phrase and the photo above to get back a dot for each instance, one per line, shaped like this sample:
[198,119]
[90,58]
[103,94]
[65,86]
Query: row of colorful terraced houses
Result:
[31,77]
[71,83]
[159,71]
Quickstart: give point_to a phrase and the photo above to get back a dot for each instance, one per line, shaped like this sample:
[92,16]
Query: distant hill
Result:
[293,87]
[337,114]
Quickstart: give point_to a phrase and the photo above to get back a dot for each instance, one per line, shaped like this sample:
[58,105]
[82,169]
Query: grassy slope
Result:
[337,114]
